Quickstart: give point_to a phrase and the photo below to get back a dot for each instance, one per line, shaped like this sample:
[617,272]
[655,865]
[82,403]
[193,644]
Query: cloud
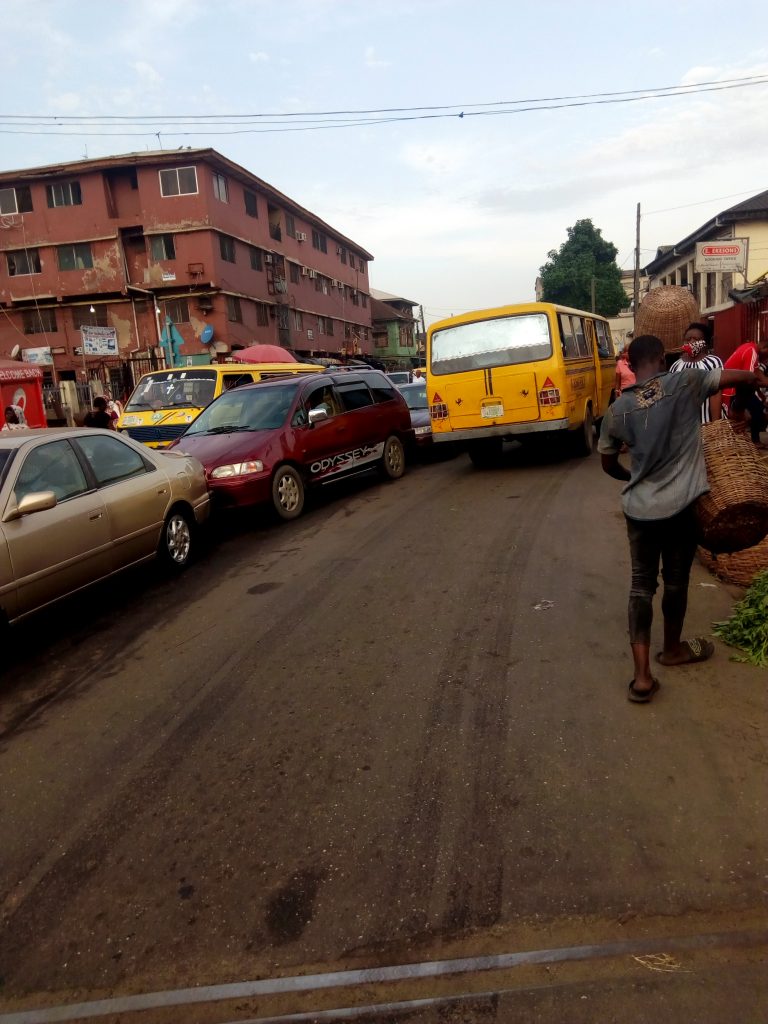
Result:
[146,72]
[258,57]
[372,61]
[66,102]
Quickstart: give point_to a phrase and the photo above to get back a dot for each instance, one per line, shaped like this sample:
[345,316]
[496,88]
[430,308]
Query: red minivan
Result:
[268,442]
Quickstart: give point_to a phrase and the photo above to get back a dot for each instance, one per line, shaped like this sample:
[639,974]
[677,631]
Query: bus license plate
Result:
[492,412]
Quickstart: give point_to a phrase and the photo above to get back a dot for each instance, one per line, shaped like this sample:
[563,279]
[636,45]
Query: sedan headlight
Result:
[237,469]
[422,430]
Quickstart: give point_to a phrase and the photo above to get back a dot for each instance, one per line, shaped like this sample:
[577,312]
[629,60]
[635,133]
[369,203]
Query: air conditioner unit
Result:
[301,236]
[268,257]
[310,334]
[313,273]
[205,303]
[339,250]
[305,271]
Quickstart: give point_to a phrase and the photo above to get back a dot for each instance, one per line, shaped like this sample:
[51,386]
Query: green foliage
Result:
[747,628]
[567,274]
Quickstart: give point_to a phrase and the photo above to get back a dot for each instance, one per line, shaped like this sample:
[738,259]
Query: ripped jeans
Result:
[673,542]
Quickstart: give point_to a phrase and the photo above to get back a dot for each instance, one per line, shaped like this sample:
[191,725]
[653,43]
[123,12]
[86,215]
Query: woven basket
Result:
[666,312]
[733,516]
[739,568]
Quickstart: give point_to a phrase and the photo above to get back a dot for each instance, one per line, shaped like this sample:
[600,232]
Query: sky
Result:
[459,212]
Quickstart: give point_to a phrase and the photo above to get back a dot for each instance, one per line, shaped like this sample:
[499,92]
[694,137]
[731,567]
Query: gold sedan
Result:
[77,506]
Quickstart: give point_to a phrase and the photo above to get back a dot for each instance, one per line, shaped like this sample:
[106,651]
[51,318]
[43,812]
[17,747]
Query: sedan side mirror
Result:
[38,501]
[316,415]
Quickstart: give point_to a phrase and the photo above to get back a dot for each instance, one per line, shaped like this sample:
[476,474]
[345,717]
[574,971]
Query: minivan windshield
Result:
[173,389]
[249,408]
[502,341]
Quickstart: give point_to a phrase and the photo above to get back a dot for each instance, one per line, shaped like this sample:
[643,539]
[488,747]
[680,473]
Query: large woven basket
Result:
[741,567]
[666,312]
[733,516]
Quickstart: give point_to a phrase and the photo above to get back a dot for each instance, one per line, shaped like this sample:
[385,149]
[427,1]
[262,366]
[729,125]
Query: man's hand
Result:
[613,467]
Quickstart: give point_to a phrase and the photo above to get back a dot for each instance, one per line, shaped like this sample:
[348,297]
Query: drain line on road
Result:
[375,975]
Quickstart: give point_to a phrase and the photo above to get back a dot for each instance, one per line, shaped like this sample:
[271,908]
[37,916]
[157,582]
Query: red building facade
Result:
[131,242]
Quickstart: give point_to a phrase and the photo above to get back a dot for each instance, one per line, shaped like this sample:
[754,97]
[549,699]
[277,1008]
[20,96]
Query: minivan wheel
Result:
[176,539]
[287,493]
[584,439]
[393,459]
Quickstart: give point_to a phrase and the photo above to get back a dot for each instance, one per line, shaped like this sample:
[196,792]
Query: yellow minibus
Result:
[165,402]
[518,372]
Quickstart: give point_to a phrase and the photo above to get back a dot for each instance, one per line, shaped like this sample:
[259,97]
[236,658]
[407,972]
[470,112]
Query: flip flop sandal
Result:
[642,696]
[699,649]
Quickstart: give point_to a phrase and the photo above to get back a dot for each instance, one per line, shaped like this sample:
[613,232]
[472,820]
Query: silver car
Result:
[77,506]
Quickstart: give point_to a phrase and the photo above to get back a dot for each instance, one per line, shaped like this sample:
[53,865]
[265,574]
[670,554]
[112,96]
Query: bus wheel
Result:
[584,438]
[485,454]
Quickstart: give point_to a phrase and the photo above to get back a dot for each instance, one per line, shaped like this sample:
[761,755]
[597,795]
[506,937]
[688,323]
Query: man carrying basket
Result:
[658,418]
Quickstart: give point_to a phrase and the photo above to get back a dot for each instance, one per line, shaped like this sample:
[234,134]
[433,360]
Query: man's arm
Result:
[730,378]
[613,467]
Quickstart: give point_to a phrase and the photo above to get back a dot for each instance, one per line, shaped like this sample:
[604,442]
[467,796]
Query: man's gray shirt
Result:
[660,422]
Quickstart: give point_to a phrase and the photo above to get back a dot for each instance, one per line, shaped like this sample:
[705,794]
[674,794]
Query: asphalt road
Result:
[392,732]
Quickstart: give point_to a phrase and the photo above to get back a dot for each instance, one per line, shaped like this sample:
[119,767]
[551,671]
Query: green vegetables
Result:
[747,628]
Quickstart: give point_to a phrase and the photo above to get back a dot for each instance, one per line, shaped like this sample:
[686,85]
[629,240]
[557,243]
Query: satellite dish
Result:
[15,351]
[207,336]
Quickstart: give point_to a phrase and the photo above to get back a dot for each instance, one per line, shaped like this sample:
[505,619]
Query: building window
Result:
[319,241]
[354,296]
[75,257]
[251,203]
[227,247]
[220,188]
[162,247]
[298,320]
[82,317]
[65,194]
[294,272]
[325,325]
[234,311]
[364,300]
[178,181]
[711,294]
[177,311]
[262,314]
[256,263]
[39,321]
[16,200]
[23,261]
[282,318]
[343,255]
[290,225]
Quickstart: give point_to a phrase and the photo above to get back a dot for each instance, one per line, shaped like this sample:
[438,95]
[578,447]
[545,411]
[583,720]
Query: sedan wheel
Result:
[288,493]
[176,541]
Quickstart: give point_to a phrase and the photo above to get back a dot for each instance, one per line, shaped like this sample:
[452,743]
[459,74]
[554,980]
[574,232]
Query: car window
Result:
[355,395]
[110,459]
[236,380]
[51,467]
[569,341]
[324,397]
[580,335]
[6,457]
[382,389]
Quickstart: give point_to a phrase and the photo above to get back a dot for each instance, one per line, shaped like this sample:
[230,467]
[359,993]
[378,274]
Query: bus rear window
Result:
[502,342]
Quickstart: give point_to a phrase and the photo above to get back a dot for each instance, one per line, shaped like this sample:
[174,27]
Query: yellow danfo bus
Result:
[518,372]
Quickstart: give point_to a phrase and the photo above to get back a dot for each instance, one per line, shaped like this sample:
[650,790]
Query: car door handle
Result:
[162,490]
[95,514]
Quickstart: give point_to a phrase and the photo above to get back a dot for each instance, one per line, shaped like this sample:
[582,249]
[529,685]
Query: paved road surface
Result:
[366,738]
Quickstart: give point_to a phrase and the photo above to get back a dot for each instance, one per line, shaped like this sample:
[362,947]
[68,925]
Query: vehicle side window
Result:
[581,336]
[110,459]
[323,397]
[51,467]
[569,342]
[355,396]
[236,380]
[382,390]
[604,340]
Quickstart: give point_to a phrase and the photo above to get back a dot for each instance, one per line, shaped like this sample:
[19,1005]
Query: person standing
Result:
[625,378]
[14,418]
[748,357]
[99,416]
[658,419]
[697,355]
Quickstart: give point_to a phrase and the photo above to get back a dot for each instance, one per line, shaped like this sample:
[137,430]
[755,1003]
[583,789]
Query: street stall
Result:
[21,386]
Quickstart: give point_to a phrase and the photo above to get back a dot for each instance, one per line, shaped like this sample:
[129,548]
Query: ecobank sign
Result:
[726,256]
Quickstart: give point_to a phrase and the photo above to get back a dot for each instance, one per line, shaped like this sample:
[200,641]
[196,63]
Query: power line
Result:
[53,125]
[703,202]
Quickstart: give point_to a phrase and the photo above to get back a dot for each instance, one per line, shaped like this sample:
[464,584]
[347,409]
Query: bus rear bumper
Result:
[504,430]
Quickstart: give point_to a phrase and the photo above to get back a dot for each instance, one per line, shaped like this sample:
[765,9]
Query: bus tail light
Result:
[438,409]
[549,394]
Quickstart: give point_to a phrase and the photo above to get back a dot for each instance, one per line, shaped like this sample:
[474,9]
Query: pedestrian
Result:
[14,418]
[624,376]
[418,377]
[658,418]
[99,416]
[114,407]
[748,356]
[697,355]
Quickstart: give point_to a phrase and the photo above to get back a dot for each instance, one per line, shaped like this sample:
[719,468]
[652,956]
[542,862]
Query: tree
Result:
[567,275]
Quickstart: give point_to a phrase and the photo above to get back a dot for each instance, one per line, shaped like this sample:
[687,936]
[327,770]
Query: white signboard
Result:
[726,255]
[100,341]
[39,356]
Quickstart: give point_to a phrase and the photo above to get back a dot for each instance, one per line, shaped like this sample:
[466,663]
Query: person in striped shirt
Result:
[697,356]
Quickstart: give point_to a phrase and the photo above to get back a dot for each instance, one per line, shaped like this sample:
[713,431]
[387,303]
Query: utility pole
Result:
[423,331]
[637,268]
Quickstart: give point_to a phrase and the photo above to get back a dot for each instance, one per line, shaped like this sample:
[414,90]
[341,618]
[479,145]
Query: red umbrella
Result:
[263,354]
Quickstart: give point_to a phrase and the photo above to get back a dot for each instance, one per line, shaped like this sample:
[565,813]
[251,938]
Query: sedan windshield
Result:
[415,396]
[182,389]
[254,408]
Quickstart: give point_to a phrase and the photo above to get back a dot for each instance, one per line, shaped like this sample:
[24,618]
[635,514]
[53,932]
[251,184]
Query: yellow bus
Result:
[519,372]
